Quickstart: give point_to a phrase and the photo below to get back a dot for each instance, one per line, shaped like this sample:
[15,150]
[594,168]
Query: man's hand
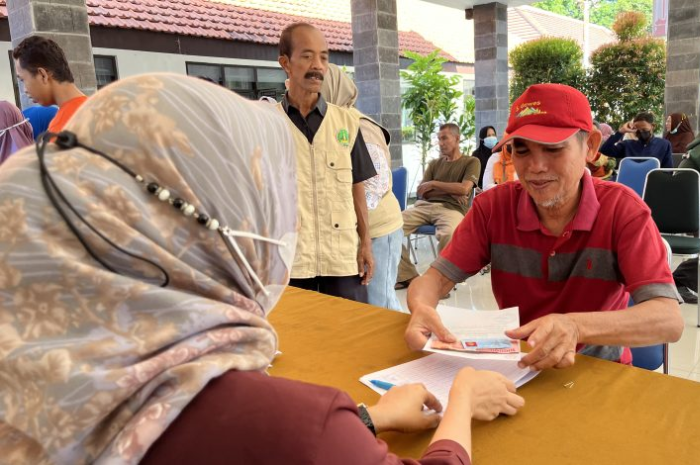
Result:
[627,127]
[424,188]
[553,339]
[365,262]
[424,322]
[462,199]
[401,409]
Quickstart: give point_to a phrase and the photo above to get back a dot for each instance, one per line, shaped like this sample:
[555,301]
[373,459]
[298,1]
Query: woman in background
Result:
[15,130]
[679,132]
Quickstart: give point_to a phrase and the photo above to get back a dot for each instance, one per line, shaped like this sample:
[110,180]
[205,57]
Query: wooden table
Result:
[613,414]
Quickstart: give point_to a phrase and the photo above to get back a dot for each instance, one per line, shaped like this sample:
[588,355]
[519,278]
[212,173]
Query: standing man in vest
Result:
[332,163]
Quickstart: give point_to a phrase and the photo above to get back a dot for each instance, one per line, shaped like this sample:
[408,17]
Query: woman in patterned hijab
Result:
[96,358]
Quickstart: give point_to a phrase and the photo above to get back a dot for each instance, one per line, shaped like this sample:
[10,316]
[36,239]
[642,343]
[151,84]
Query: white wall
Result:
[6,90]
[130,62]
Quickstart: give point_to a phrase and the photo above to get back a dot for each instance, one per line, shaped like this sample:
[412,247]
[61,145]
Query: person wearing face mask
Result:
[15,130]
[487,141]
[499,168]
[646,144]
[679,132]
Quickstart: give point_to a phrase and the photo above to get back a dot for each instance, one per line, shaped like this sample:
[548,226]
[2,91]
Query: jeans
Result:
[387,254]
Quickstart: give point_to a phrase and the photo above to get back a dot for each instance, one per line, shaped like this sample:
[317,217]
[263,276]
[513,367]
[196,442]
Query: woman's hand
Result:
[401,409]
[489,393]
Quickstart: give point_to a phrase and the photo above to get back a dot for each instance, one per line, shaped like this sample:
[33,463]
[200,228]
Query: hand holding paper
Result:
[478,334]
[553,339]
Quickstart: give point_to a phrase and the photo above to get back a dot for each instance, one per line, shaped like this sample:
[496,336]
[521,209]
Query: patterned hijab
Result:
[15,130]
[94,365]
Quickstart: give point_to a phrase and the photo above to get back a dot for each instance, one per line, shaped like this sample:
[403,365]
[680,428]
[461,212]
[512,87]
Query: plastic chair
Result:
[673,196]
[427,230]
[399,186]
[652,357]
[633,172]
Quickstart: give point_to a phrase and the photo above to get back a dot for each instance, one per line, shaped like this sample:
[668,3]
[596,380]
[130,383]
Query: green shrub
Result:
[628,76]
[549,59]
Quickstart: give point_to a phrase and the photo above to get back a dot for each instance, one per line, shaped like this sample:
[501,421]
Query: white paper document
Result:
[471,325]
[437,372]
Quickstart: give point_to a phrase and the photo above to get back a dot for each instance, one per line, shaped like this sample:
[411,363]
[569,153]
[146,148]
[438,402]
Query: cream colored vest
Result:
[328,240]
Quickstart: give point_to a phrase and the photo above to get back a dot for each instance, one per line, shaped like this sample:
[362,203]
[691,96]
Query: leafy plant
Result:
[548,59]
[628,76]
[429,97]
[467,124]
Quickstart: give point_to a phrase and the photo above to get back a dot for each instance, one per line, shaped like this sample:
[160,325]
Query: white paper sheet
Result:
[437,372]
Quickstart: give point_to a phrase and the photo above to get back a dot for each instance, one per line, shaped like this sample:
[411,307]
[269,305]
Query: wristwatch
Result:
[366,419]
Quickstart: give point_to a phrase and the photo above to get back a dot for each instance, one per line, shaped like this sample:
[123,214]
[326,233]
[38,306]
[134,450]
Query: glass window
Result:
[209,72]
[105,70]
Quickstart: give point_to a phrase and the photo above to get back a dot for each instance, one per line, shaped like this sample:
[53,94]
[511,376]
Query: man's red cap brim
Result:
[541,134]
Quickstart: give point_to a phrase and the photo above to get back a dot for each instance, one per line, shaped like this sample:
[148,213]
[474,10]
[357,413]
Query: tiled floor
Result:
[475,293]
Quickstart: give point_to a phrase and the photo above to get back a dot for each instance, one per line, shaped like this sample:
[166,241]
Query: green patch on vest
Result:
[343,137]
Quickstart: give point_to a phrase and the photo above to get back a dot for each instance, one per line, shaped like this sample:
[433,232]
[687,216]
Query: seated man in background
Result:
[444,195]
[566,248]
[645,145]
[43,68]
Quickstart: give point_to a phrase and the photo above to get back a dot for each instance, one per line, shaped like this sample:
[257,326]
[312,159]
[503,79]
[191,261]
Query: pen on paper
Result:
[381,384]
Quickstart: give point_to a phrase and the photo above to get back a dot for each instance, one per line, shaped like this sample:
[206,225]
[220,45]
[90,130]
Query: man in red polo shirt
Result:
[566,248]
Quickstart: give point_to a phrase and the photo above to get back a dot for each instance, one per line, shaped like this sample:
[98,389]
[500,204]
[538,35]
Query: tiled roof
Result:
[224,21]
[527,23]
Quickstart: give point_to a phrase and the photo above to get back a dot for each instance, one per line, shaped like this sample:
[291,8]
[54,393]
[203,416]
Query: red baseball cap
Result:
[548,114]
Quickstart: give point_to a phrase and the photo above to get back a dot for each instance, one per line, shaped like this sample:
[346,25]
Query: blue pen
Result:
[381,384]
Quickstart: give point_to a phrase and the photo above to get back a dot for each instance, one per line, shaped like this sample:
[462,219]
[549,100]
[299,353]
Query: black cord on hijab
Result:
[67,140]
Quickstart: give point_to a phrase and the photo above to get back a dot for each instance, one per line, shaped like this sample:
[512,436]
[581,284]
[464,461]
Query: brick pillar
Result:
[683,60]
[65,22]
[491,66]
[375,40]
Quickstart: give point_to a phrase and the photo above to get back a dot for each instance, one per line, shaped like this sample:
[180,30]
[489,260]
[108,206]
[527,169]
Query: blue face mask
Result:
[490,142]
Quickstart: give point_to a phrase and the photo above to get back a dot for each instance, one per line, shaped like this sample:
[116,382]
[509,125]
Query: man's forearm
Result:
[652,322]
[360,203]
[453,188]
[427,289]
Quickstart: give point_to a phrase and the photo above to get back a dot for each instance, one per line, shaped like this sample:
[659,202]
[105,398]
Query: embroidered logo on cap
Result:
[529,109]
[343,137]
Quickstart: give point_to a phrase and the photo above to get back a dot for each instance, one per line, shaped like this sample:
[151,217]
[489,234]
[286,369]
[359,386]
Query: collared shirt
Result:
[362,165]
[609,250]
[656,147]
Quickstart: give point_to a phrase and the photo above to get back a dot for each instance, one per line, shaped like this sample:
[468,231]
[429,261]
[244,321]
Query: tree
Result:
[602,12]
[467,124]
[570,8]
[628,77]
[549,59]
[430,97]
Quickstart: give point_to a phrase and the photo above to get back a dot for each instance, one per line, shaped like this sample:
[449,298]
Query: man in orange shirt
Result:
[43,68]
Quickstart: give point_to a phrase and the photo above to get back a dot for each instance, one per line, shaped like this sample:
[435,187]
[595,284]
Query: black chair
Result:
[673,195]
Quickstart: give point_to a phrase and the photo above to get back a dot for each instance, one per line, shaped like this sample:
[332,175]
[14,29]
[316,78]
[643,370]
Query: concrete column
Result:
[683,60]
[375,40]
[66,23]
[491,66]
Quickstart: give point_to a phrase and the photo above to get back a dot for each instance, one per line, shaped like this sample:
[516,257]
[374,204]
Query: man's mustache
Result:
[313,74]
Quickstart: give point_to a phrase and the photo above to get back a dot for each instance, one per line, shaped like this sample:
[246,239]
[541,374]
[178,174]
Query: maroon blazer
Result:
[250,418]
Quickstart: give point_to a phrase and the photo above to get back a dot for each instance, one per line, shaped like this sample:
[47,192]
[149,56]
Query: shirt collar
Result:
[321,105]
[527,219]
